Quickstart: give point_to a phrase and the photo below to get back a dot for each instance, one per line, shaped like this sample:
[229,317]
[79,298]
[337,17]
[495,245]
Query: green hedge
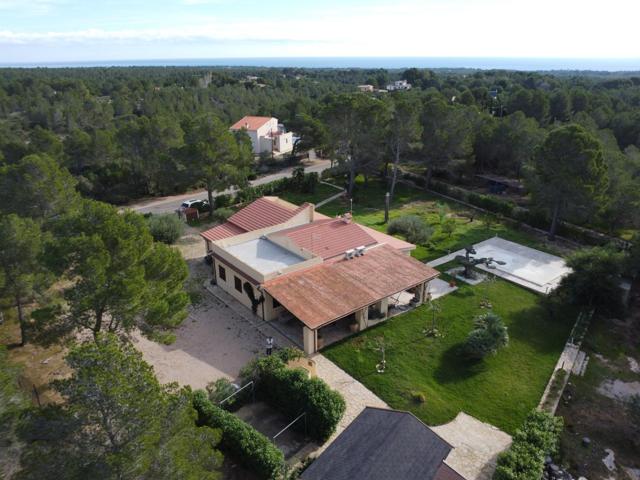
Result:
[306,183]
[538,437]
[292,392]
[245,443]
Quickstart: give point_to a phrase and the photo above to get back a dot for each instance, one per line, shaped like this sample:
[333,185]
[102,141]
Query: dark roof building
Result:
[384,444]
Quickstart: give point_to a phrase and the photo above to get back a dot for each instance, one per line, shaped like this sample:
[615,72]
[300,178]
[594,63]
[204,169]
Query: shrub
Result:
[223,200]
[245,443]
[412,227]
[292,392]
[538,437]
[166,228]
[489,334]
[219,390]
[449,226]
[222,214]
[418,397]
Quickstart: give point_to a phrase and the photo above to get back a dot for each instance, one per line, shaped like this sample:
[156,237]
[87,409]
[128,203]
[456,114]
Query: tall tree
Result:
[356,124]
[117,422]
[568,170]
[404,130]
[447,135]
[37,187]
[218,157]
[119,279]
[20,265]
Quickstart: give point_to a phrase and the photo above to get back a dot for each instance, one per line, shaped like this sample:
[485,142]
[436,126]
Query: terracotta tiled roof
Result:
[319,295]
[250,123]
[388,239]
[260,214]
[225,230]
[263,212]
[329,238]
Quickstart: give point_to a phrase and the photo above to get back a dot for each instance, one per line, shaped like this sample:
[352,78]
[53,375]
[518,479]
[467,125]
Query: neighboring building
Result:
[366,88]
[266,134]
[384,444]
[311,271]
[399,85]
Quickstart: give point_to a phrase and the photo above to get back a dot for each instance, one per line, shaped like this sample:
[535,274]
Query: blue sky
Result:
[89,30]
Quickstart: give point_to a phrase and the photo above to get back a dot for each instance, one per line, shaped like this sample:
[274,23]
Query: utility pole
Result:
[386,207]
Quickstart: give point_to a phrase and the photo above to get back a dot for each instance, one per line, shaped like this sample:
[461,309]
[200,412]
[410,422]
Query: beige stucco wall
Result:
[228,285]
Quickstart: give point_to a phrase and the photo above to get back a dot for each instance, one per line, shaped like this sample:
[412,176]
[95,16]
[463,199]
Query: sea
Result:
[475,63]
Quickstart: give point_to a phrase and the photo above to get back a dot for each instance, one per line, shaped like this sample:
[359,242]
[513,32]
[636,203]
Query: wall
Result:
[228,285]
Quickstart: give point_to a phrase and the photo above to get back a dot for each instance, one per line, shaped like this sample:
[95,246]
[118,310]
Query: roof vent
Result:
[349,254]
[360,251]
[346,218]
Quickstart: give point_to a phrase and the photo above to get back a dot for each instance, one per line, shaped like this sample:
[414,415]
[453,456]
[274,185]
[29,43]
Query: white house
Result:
[266,134]
[399,85]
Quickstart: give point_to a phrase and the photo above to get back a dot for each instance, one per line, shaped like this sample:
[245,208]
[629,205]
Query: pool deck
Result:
[538,271]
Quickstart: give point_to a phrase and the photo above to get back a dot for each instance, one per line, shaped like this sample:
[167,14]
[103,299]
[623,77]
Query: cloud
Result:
[33,7]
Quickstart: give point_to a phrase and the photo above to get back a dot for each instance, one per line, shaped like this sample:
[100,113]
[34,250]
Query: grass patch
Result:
[500,390]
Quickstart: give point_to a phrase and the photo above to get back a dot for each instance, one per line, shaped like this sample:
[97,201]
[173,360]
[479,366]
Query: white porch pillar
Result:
[309,338]
[362,318]
[384,307]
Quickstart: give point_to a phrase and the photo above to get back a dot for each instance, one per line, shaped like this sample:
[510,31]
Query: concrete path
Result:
[476,446]
[439,288]
[172,203]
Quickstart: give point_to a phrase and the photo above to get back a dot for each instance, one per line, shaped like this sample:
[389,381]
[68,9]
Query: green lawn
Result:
[501,390]
[368,209]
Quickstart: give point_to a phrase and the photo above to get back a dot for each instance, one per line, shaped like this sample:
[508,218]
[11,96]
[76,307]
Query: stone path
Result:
[356,395]
[476,446]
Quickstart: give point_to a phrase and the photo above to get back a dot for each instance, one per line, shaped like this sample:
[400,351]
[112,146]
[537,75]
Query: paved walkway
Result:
[356,395]
[476,446]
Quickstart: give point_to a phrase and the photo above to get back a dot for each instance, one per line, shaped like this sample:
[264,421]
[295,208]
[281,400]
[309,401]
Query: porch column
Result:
[362,318]
[384,307]
[309,338]
[422,293]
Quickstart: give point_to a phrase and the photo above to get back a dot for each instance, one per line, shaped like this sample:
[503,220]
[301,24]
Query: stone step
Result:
[580,364]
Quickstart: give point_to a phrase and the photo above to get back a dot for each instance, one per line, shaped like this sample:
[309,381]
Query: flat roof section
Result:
[263,255]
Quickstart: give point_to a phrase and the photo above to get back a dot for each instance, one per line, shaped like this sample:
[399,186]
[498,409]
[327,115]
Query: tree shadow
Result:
[455,366]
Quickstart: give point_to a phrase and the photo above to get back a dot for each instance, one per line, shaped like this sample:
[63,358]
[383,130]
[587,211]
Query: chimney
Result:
[346,218]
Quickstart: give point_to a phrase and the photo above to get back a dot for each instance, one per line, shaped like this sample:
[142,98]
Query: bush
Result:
[245,443]
[412,227]
[222,214]
[489,334]
[223,200]
[166,228]
[292,392]
[219,390]
[538,437]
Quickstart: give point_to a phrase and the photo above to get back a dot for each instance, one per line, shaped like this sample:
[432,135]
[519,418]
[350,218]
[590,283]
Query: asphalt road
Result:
[171,204]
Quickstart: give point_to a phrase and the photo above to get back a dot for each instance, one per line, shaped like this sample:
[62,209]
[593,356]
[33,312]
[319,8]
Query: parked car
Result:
[201,205]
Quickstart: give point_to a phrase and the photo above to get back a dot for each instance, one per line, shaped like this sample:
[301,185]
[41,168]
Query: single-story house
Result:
[383,444]
[309,272]
[266,134]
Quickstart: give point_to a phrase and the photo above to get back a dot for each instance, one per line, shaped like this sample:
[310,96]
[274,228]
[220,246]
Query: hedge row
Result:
[533,218]
[538,437]
[241,440]
[299,182]
[292,392]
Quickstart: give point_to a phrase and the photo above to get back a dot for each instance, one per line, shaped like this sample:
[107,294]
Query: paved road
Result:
[171,204]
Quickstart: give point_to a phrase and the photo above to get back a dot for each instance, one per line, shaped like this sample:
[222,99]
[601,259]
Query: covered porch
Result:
[335,300]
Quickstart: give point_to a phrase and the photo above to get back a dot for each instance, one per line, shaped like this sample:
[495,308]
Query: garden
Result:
[433,376]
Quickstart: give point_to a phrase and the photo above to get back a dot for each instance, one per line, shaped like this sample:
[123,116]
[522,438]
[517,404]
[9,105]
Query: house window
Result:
[276,303]
[222,273]
[238,284]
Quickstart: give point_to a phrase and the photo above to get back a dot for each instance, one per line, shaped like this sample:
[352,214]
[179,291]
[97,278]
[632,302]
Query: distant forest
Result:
[121,131]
